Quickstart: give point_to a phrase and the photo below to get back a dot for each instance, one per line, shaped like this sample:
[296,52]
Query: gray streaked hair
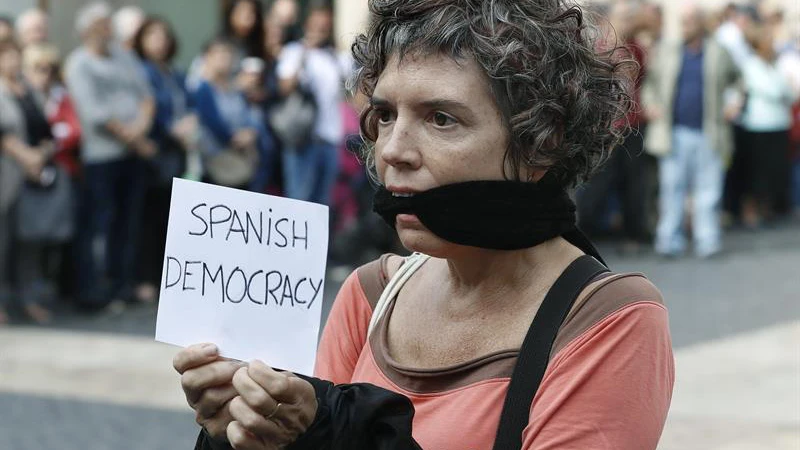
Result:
[23,20]
[91,13]
[562,102]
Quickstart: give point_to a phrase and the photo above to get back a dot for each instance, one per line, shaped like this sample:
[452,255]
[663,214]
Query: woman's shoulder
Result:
[607,297]
[374,276]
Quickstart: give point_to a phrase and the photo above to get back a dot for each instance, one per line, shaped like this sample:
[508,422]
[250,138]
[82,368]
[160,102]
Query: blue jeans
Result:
[692,163]
[111,207]
[310,172]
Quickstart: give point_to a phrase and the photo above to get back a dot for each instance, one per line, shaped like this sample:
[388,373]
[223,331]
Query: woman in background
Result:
[175,132]
[26,147]
[766,119]
[41,71]
[243,27]
[228,120]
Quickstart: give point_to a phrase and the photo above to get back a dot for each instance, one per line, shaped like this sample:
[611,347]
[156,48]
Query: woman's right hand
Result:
[207,379]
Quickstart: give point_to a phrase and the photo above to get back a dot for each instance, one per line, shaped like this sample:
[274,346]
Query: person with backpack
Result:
[310,74]
[503,329]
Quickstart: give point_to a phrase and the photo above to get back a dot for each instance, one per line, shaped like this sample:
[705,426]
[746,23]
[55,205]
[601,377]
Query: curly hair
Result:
[562,101]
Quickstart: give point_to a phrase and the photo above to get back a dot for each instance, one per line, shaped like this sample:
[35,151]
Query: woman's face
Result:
[155,43]
[219,60]
[438,124]
[40,74]
[10,63]
[243,18]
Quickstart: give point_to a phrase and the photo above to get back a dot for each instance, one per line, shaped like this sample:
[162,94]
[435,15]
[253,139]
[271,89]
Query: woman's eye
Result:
[441,119]
[384,116]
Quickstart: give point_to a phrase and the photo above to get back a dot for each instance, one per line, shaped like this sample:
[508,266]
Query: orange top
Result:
[608,384]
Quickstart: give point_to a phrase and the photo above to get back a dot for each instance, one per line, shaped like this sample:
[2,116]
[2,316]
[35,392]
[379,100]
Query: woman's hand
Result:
[206,381]
[245,138]
[272,409]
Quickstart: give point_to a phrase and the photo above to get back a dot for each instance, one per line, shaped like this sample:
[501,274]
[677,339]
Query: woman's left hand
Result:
[272,410]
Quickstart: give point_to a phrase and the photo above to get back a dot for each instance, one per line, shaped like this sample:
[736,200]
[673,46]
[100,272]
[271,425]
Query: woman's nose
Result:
[400,149]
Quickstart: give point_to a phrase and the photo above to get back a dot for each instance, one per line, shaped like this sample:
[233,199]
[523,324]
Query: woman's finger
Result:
[253,394]
[194,356]
[217,373]
[275,383]
[266,430]
[241,439]
[213,399]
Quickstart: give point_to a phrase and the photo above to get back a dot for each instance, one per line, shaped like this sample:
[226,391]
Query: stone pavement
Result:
[102,383]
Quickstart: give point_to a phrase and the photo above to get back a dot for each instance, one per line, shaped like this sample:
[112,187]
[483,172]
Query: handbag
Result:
[232,167]
[292,119]
[46,207]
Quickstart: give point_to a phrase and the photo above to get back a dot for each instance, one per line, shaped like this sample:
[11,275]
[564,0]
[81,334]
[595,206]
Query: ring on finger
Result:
[274,411]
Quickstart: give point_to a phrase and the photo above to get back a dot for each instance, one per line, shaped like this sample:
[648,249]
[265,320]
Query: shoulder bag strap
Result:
[411,264]
[535,352]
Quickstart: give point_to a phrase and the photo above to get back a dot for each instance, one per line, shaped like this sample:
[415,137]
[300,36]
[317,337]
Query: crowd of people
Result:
[91,141]
[716,123]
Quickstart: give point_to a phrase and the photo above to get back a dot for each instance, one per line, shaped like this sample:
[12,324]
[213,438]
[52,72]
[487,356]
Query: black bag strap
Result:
[535,352]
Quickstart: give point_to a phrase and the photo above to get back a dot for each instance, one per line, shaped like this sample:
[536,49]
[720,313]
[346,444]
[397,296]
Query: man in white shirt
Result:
[310,170]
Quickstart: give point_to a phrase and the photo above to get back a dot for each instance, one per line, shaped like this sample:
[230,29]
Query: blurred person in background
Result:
[41,67]
[683,98]
[175,133]
[116,109]
[766,120]
[730,35]
[27,145]
[652,14]
[32,27]
[243,27]
[311,168]
[126,23]
[6,28]
[789,64]
[623,174]
[284,16]
[233,126]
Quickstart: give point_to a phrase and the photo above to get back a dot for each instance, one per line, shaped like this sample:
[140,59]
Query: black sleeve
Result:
[350,417]
[204,442]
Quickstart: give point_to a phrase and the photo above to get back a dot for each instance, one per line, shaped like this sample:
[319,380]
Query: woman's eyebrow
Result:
[444,103]
[377,101]
[435,103]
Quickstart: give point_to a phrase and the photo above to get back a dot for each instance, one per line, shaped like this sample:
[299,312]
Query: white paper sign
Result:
[245,271]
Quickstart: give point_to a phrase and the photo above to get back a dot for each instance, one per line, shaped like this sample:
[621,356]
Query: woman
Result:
[312,69]
[481,115]
[243,27]
[243,24]
[230,123]
[175,132]
[767,119]
[27,146]
[41,71]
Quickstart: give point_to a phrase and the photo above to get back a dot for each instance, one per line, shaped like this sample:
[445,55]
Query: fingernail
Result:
[210,349]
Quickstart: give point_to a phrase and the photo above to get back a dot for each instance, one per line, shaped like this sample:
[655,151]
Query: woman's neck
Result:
[482,276]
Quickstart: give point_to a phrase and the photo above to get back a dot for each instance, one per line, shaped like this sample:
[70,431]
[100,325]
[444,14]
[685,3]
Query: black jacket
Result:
[350,417]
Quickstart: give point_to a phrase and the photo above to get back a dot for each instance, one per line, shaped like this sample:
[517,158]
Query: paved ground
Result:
[102,383]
